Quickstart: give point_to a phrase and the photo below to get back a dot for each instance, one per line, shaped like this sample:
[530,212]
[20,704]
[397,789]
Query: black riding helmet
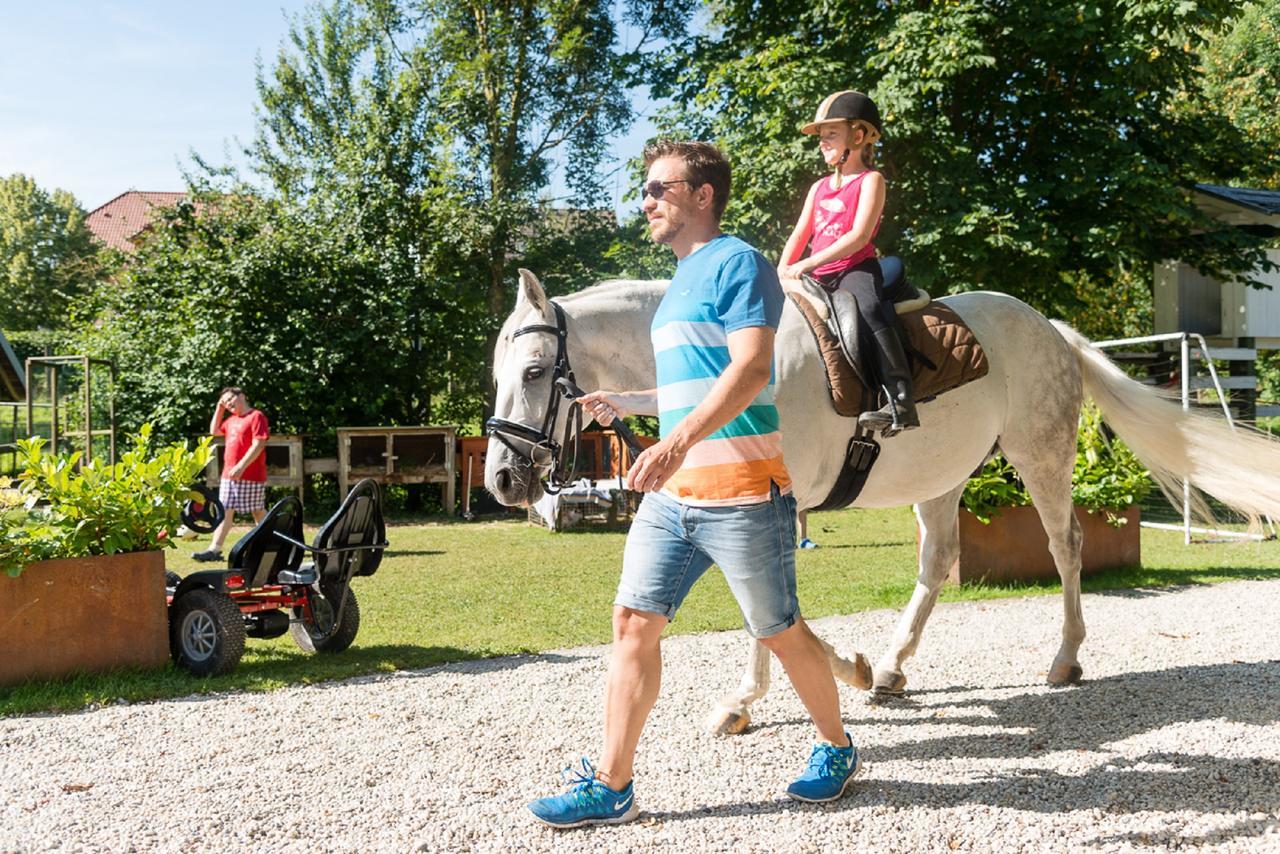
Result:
[848,106]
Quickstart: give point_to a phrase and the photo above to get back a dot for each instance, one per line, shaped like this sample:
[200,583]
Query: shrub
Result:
[62,511]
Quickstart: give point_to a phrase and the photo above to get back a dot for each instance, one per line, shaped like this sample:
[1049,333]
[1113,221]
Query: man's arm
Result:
[750,366]
[215,423]
[256,448]
[604,406]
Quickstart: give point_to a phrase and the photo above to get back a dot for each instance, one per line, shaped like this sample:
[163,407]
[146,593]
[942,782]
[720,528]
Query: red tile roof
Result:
[123,218]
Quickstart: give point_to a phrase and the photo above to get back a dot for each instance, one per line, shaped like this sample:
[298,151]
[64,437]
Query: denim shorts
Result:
[671,545]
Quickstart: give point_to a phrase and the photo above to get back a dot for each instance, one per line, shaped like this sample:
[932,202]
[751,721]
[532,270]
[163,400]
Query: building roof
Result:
[1240,205]
[13,386]
[120,220]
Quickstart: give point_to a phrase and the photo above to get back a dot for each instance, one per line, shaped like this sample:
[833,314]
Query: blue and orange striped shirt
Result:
[722,287]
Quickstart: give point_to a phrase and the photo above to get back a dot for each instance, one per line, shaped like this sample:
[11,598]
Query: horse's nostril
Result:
[503,479]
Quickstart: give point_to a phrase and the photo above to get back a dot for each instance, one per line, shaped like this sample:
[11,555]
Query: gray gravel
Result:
[1173,741]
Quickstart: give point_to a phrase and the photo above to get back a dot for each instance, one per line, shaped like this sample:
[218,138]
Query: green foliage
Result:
[996,485]
[400,164]
[1241,83]
[47,256]
[1107,477]
[1024,142]
[74,510]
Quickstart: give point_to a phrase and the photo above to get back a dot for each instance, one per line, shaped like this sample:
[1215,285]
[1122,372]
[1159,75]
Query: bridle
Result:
[539,441]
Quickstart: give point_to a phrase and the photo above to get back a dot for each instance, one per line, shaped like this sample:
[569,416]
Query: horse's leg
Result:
[856,673]
[1045,463]
[938,519]
[731,715]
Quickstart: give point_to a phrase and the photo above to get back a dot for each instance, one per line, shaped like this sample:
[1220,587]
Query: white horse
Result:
[1027,405]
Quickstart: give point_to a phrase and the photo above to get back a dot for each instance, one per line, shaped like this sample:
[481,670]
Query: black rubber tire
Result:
[313,639]
[206,632]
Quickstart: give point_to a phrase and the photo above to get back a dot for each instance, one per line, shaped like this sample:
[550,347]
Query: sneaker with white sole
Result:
[207,556]
[588,801]
[831,770]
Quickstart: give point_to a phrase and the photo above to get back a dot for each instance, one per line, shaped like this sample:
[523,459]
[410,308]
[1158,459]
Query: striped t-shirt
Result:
[722,287]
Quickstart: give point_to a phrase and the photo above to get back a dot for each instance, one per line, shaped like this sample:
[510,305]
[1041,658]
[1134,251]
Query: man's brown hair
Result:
[231,389]
[703,163]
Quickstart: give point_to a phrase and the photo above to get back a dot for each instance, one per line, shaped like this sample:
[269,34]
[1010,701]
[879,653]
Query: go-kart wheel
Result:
[172,579]
[206,632]
[321,634]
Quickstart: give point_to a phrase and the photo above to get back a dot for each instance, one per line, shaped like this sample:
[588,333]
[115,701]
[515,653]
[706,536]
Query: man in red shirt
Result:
[244,474]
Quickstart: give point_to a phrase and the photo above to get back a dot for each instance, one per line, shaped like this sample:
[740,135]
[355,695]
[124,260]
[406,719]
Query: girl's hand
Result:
[792,271]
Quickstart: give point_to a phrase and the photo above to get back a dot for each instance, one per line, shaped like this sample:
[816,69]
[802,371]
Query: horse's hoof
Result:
[889,684]
[1069,675]
[861,673]
[724,722]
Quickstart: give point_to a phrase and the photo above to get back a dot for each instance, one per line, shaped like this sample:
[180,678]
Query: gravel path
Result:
[1173,740]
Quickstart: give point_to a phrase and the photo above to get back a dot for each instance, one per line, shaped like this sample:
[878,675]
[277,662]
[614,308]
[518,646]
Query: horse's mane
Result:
[638,288]
[626,294]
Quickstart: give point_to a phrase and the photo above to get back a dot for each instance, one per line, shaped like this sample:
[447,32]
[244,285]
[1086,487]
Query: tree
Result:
[47,255]
[1024,142]
[1242,84]
[433,125]
[252,292]
[358,274]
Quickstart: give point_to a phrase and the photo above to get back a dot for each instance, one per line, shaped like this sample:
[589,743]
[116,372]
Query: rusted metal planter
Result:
[61,617]
[1014,547]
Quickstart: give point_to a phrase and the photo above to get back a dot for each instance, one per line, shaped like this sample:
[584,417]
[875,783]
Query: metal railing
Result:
[1184,342]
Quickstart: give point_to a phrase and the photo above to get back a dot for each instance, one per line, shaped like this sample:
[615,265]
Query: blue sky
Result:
[99,98]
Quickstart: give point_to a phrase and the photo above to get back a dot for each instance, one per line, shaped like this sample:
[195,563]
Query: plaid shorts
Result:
[244,496]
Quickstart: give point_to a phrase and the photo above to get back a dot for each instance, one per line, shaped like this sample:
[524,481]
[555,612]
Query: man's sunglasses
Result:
[658,189]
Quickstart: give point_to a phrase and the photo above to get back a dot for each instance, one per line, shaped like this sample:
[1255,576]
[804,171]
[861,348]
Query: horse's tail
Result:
[1240,467]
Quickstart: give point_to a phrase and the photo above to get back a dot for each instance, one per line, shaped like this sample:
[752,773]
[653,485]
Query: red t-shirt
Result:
[240,431]
[833,213]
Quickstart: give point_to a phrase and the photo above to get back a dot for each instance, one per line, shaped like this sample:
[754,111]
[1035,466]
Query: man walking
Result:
[719,491]
[244,474]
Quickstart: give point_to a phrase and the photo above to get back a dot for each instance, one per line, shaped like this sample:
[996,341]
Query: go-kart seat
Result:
[270,548]
[351,542]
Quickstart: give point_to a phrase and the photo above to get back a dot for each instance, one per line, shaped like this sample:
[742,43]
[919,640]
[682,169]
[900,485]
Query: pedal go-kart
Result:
[267,590]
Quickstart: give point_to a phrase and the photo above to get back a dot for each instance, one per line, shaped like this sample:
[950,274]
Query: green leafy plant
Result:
[71,510]
[1107,477]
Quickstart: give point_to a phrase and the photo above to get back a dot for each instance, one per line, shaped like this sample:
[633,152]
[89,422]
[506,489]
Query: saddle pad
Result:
[935,332]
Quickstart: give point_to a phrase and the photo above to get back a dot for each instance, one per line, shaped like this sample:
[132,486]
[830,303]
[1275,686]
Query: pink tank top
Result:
[833,212]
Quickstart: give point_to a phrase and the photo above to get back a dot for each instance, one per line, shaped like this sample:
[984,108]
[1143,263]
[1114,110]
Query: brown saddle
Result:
[945,355]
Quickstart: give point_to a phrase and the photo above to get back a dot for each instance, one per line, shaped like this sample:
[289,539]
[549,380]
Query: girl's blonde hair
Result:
[869,138]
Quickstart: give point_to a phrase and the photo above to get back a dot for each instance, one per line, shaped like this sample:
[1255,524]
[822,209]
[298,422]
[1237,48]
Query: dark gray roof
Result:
[1262,201]
[13,385]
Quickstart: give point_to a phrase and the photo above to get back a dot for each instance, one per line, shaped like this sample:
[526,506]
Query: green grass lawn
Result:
[453,591]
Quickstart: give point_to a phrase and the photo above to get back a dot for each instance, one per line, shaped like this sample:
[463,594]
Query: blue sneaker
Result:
[830,771]
[588,801]
[807,543]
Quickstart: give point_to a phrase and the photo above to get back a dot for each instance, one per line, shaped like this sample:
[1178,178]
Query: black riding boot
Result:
[895,371]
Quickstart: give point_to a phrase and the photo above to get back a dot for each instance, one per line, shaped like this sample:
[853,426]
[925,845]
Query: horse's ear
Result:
[531,292]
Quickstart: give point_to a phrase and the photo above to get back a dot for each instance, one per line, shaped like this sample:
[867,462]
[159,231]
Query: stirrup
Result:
[887,418]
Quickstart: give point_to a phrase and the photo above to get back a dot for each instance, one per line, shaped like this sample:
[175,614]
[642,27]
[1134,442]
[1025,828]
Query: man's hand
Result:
[234,473]
[604,406]
[654,467]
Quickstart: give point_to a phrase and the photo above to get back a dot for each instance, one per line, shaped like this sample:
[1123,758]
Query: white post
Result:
[1186,406]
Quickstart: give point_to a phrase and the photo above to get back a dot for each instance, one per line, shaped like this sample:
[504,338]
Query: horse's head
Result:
[523,368]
